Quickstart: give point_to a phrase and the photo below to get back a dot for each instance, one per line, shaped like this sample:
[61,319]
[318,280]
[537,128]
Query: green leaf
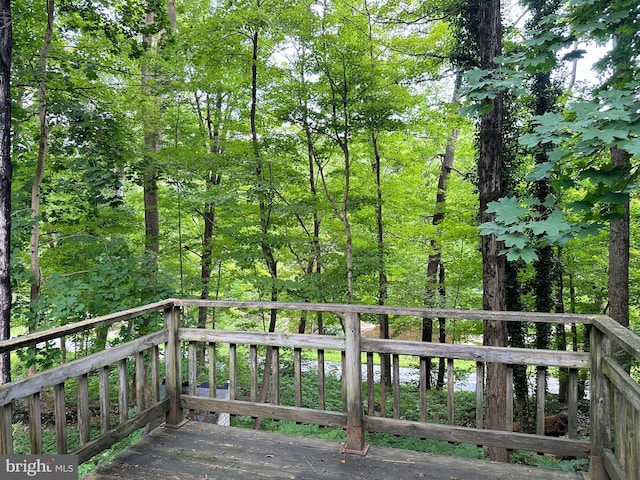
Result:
[541,171]
[508,210]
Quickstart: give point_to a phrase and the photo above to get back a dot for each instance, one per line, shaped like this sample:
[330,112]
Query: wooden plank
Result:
[229,453]
[573,403]
[621,428]
[267,410]
[275,376]
[253,372]
[450,397]
[515,356]
[473,436]
[60,414]
[172,366]
[509,388]
[35,424]
[352,377]
[613,467]
[105,400]
[395,378]
[155,374]
[541,393]
[233,371]
[123,390]
[479,394]
[622,381]
[283,340]
[297,376]
[371,399]
[211,354]
[77,327]
[88,450]
[422,384]
[28,386]
[141,381]
[84,415]
[406,311]
[192,368]
[622,336]
[600,397]
[321,381]
[6,432]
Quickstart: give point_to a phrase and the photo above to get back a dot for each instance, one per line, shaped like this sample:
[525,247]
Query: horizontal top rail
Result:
[620,334]
[77,327]
[31,339]
[409,311]
[55,376]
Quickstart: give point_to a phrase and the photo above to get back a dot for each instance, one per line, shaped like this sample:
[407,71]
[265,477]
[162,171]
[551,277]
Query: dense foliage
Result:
[295,149]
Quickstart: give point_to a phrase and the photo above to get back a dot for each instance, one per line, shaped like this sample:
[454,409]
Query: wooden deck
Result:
[202,451]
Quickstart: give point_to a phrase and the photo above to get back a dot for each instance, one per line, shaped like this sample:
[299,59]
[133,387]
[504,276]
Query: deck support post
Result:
[600,346]
[174,417]
[352,377]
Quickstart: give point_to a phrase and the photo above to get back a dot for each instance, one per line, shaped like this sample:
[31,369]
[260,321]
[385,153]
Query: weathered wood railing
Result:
[195,355]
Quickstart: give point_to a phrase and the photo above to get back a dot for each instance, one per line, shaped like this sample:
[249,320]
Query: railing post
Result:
[600,404]
[174,417]
[353,387]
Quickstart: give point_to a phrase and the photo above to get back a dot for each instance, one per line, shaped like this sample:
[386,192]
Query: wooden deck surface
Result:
[202,451]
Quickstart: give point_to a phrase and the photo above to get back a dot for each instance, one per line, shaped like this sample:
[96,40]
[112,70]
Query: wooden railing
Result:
[368,402]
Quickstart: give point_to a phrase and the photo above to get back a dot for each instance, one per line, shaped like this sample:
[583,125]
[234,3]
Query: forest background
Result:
[322,151]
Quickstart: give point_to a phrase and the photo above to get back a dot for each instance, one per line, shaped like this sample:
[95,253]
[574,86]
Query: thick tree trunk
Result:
[6,45]
[619,255]
[490,189]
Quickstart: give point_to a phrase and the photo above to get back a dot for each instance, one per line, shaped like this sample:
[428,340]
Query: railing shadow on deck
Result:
[184,356]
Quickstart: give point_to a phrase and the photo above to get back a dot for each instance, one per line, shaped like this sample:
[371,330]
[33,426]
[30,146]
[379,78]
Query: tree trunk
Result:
[34,251]
[619,254]
[6,45]
[490,189]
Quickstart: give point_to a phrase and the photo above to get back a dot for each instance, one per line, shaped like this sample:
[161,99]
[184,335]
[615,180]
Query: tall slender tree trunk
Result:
[435,268]
[490,189]
[6,45]
[43,143]
[618,284]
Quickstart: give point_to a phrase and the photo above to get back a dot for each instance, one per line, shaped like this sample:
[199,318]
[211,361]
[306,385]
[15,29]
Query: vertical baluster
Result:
[275,377]
[211,351]
[60,412]
[450,397]
[297,375]
[105,400]
[573,403]
[321,382]
[192,370]
[253,372]
[479,394]
[155,375]
[84,415]
[233,372]
[396,385]
[509,389]
[423,388]
[371,402]
[35,423]
[141,381]
[6,432]
[123,390]
[541,389]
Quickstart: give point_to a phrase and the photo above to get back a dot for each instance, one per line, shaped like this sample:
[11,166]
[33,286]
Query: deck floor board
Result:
[202,451]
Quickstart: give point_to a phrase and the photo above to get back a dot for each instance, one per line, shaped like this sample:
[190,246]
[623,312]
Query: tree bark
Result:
[6,45]
[490,189]
[43,142]
[618,283]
